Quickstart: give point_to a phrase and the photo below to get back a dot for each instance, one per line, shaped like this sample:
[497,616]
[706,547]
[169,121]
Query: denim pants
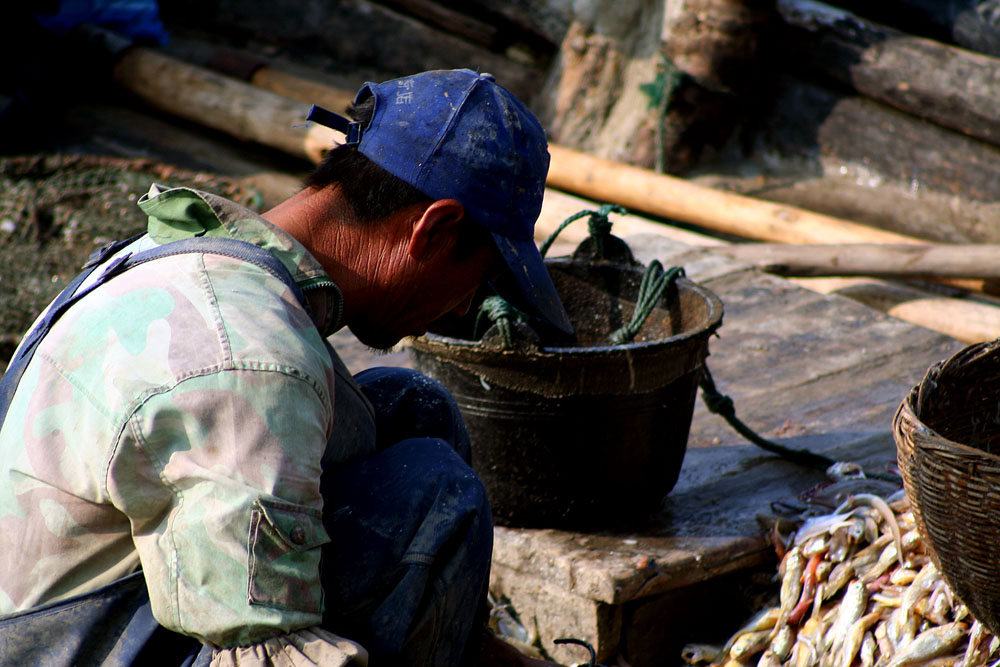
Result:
[404,575]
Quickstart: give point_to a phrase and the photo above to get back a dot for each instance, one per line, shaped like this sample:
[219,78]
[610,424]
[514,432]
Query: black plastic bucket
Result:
[575,436]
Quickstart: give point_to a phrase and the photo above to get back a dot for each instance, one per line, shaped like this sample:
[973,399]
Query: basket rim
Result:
[901,426]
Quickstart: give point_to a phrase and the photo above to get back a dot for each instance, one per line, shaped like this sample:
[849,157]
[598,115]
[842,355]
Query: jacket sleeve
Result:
[220,478]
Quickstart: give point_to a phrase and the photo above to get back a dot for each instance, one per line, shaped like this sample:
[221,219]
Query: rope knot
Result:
[718,404]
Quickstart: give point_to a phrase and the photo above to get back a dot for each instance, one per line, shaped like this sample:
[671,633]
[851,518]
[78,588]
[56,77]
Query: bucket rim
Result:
[714,321]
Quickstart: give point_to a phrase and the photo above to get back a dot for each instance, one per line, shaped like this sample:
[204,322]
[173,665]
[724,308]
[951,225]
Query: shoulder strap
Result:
[240,250]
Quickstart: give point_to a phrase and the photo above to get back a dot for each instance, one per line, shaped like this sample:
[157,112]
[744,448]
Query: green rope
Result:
[655,282]
[661,91]
[721,404]
[598,225]
[497,310]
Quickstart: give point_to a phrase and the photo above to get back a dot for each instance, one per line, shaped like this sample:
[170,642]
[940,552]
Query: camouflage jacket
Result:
[175,419]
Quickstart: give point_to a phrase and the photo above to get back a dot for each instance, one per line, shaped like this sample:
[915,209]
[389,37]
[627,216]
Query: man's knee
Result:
[409,404]
[415,507]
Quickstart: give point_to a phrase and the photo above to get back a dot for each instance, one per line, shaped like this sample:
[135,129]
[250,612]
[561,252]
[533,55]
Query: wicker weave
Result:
[947,434]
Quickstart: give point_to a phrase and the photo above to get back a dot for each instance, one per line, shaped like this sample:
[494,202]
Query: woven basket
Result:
[947,434]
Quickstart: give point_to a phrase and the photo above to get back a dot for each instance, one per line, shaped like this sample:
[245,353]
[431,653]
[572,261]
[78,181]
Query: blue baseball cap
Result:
[457,134]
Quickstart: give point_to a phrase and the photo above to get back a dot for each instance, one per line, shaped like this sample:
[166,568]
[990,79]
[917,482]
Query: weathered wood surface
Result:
[952,21]
[948,85]
[966,319]
[625,65]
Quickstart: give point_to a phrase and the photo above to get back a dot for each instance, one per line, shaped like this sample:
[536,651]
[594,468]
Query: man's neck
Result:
[321,221]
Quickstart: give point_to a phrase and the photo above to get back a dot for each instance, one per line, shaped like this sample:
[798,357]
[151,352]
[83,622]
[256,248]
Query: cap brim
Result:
[527,284]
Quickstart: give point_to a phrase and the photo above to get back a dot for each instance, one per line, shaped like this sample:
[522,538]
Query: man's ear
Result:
[432,229]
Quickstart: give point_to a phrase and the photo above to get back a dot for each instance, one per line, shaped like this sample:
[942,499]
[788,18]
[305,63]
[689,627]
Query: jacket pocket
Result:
[284,556]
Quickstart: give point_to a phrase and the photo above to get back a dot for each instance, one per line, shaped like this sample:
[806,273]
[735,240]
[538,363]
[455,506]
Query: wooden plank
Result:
[613,569]
[967,320]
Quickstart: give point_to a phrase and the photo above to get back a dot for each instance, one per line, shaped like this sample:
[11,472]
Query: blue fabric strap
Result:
[240,250]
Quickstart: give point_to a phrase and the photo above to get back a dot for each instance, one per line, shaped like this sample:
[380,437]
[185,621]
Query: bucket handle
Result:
[655,282]
[600,232]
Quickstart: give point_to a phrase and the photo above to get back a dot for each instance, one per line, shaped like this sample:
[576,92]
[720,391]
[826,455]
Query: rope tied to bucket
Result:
[598,225]
[722,405]
[655,282]
[498,311]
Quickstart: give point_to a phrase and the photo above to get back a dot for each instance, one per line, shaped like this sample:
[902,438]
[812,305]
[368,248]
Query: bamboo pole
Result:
[244,111]
[671,197]
[908,261]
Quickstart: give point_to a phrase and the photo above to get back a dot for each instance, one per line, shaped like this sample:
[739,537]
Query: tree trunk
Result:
[626,64]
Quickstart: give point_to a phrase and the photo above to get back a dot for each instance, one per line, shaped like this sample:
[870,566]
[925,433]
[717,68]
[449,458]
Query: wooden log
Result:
[907,261]
[549,19]
[847,191]
[951,21]
[652,83]
[948,85]
[301,89]
[844,131]
[222,103]
[668,196]
[449,20]
[359,34]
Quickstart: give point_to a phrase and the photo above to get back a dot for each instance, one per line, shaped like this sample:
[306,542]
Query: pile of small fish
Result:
[858,588]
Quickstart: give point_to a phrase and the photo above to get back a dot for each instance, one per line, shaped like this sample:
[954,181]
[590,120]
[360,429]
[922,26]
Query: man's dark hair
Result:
[371,191]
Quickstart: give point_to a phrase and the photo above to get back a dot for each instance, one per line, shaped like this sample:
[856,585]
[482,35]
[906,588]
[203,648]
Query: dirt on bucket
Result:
[576,433]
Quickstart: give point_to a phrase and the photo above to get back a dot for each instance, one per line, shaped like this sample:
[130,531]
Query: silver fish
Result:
[929,644]
[749,644]
[762,620]
[851,608]
[868,648]
[769,659]
[888,517]
[855,635]
[791,583]
[695,653]
[781,645]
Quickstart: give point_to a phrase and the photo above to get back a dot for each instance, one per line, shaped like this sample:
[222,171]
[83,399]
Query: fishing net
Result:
[57,209]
